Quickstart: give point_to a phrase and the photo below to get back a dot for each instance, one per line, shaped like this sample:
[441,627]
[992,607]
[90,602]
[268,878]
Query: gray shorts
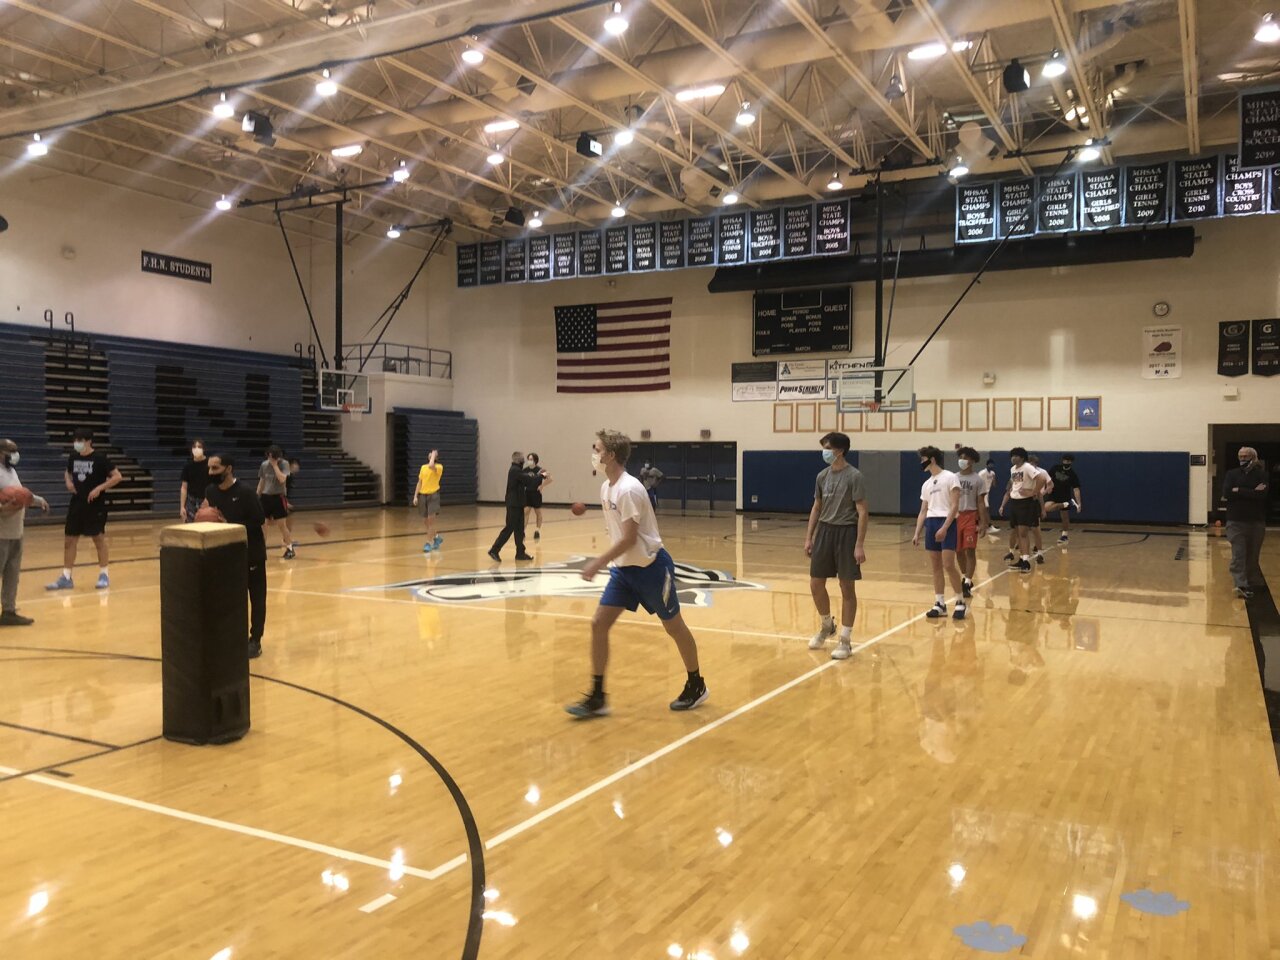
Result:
[429,504]
[832,555]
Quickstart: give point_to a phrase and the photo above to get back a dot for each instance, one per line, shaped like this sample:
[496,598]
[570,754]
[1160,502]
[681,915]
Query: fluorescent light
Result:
[393,232]
[1089,152]
[731,197]
[536,220]
[927,51]
[746,116]
[222,203]
[350,150]
[222,109]
[1268,31]
[618,211]
[495,159]
[960,46]
[501,126]
[1077,112]
[624,137]
[834,183]
[401,173]
[472,56]
[699,93]
[326,87]
[616,23]
[1055,66]
[37,147]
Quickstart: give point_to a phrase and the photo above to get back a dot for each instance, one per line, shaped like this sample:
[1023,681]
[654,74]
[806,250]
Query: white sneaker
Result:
[843,651]
[821,637]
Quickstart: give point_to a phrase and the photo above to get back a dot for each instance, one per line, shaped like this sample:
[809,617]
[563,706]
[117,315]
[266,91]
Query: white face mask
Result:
[597,462]
[197,451]
[79,446]
[13,458]
[964,464]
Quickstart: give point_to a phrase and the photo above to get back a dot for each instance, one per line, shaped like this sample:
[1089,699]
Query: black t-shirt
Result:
[195,474]
[288,484]
[533,478]
[1245,502]
[87,472]
[1065,482]
[516,486]
[240,504]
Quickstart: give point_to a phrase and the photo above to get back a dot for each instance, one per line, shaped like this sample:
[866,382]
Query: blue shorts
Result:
[931,527]
[652,587]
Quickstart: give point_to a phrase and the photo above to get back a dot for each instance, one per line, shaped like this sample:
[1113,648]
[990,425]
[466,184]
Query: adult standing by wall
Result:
[1245,489]
[516,498]
[195,477]
[90,474]
[12,518]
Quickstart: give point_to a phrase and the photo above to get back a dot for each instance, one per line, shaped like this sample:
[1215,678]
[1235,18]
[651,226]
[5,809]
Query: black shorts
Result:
[86,519]
[1025,512]
[832,554]
[534,500]
[274,506]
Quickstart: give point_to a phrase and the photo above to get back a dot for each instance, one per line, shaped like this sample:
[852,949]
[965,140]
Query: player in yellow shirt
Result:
[426,497]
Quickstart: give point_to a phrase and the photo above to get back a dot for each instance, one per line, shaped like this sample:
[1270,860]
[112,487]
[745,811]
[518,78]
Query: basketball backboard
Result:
[343,391]
[882,389]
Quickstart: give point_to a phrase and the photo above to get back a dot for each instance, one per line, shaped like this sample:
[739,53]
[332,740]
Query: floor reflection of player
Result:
[938,707]
[1022,629]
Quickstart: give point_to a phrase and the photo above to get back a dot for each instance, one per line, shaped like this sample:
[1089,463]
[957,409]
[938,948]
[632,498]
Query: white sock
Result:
[66,572]
[102,571]
[1026,557]
[846,634]
[828,623]
[959,600]
[939,598]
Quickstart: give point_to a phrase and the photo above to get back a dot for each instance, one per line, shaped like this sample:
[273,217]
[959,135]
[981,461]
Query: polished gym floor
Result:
[1083,768]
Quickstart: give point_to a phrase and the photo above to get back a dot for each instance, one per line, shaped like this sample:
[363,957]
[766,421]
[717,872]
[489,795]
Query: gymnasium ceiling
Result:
[1156,77]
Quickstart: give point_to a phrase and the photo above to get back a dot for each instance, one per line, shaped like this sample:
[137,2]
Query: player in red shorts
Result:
[972,519]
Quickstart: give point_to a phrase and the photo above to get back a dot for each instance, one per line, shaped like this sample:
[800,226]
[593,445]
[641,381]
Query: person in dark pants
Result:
[1245,490]
[517,499]
[239,503]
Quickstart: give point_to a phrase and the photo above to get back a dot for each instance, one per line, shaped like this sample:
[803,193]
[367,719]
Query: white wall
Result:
[369,438]
[1058,332]
[253,302]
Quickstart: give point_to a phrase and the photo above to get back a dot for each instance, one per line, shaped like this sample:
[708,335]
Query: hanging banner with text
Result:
[1266,348]
[1233,348]
[1162,353]
[1259,128]
[169,266]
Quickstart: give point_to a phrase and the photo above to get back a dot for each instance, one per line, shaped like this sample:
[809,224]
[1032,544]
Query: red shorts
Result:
[967,530]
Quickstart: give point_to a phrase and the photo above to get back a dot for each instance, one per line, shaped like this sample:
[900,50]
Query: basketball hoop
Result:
[352,411]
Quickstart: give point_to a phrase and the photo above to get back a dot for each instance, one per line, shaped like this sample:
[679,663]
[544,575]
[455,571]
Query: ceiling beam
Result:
[1189,33]
[1064,28]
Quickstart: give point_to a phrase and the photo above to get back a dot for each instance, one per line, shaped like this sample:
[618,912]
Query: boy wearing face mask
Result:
[89,475]
[195,477]
[1066,493]
[537,480]
[971,520]
[240,504]
[989,481]
[1245,490]
[939,507]
[12,517]
[1026,486]
[834,542]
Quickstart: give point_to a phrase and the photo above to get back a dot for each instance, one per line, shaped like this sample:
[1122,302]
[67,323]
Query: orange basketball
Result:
[321,529]
[578,509]
[210,515]
[20,496]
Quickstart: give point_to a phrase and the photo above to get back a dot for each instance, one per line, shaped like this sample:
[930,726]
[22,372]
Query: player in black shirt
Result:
[195,477]
[517,498]
[239,503]
[1066,493]
[89,475]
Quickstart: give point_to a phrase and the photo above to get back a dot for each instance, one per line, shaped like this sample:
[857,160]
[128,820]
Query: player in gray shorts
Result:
[833,542]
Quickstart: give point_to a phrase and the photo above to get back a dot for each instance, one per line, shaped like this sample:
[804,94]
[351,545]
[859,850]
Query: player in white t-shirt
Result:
[1023,497]
[989,481]
[641,573]
[1045,489]
[939,506]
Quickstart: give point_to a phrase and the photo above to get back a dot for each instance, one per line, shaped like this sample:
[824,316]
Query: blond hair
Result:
[619,444]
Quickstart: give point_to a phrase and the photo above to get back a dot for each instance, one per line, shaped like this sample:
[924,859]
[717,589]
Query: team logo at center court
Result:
[694,585]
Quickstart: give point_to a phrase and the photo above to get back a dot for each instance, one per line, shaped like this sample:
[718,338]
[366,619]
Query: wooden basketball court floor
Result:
[1083,768]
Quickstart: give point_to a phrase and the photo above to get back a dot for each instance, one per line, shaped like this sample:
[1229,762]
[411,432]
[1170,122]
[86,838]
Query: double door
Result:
[697,477]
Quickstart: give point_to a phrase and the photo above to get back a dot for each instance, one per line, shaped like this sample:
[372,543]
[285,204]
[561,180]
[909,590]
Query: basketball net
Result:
[355,413]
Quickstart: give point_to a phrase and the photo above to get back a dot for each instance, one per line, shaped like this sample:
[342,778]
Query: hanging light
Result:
[401,173]
[618,211]
[700,93]
[495,159]
[960,46]
[1016,78]
[616,23]
[1055,66]
[1268,31]
[536,220]
[222,203]
[895,90]
[958,169]
[224,109]
[746,116]
[350,150]
[501,126]
[1089,152]
[835,182]
[37,147]
[326,87]
[730,198]
[472,56]
[927,51]
[624,137]
[393,232]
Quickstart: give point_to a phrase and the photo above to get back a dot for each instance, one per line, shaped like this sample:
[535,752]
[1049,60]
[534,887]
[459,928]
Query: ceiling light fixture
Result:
[326,86]
[1268,31]
[958,169]
[536,220]
[495,159]
[894,91]
[1055,66]
[960,46]
[501,126]
[224,109]
[350,150]
[618,211]
[746,116]
[37,147]
[401,173]
[927,51]
[1016,78]
[700,93]
[616,23]
[472,56]
[624,137]
[393,232]
[1089,152]
[835,183]
[731,197]
[222,203]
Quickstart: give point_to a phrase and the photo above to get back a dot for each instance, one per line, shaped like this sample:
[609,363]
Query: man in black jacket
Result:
[517,490]
[1245,489]
[239,503]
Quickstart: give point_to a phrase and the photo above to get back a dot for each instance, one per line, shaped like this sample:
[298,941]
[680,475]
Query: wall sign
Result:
[1259,128]
[766,234]
[755,381]
[831,231]
[1146,194]
[468,264]
[702,242]
[564,255]
[731,238]
[975,212]
[1056,207]
[1233,348]
[1162,353]
[671,244]
[540,257]
[803,321]
[1266,348]
[590,253]
[514,260]
[168,266]
[1243,191]
[1101,199]
[1197,189]
[797,231]
[644,247]
[1088,413]
[1017,218]
[491,262]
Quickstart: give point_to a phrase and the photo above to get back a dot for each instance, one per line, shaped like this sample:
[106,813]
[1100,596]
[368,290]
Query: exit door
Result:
[697,477]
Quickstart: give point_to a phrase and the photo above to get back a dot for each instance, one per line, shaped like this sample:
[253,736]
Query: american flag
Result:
[614,347]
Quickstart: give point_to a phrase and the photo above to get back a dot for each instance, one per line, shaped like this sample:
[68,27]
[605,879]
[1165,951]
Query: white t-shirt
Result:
[936,492]
[988,480]
[11,526]
[628,500]
[1022,481]
[1048,480]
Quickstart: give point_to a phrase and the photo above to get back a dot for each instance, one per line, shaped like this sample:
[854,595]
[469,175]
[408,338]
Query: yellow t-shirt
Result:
[429,478]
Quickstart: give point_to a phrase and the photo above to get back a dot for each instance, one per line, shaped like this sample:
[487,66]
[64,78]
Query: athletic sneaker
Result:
[294,545]
[1039,556]
[1062,538]
[694,693]
[289,554]
[493,555]
[427,547]
[11,618]
[966,587]
[960,611]
[1009,557]
[537,534]
[821,637]
[589,706]
[62,583]
[437,541]
[936,611]
[1023,566]
[994,528]
[103,582]
[255,649]
[1243,594]
[843,650]
[1075,506]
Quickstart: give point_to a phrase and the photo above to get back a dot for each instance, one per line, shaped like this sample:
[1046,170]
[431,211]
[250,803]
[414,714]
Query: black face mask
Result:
[217,477]
[924,465]
[1247,464]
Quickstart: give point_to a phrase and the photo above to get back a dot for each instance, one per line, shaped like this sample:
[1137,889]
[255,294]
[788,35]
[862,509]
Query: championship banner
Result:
[1233,348]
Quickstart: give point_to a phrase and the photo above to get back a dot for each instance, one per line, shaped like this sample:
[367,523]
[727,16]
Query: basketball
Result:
[20,496]
[321,529]
[578,509]
[210,515]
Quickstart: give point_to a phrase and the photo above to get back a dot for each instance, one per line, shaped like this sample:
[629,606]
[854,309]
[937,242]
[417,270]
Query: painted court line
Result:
[281,838]
[378,904]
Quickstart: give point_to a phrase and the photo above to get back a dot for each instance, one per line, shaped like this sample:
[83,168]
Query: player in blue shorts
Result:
[641,574]
[939,505]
